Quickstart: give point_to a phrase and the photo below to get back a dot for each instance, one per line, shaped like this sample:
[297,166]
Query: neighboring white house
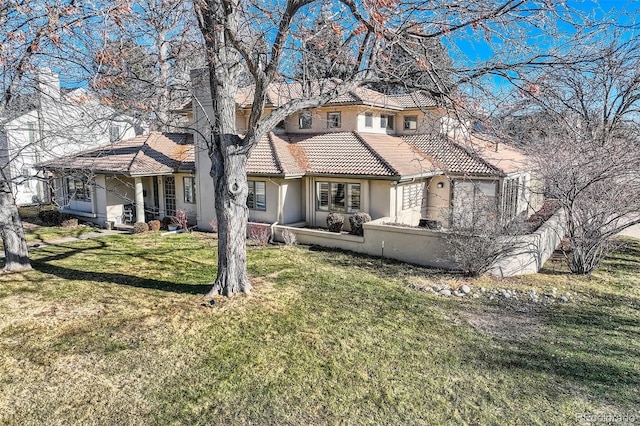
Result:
[61,122]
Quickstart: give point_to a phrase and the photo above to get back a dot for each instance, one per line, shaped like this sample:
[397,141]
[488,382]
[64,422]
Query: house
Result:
[137,179]
[56,122]
[392,156]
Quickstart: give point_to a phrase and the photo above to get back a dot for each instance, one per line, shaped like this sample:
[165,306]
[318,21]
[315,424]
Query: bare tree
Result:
[265,39]
[585,138]
[33,32]
[142,64]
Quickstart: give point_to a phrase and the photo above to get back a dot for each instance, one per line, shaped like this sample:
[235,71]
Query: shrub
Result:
[335,222]
[289,237]
[154,225]
[180,219]
[259,233]
[165,222]
[140,227]
[69,223]
[357,220]
[53,217]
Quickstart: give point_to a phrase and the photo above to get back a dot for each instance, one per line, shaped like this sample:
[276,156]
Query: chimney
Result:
[48,85]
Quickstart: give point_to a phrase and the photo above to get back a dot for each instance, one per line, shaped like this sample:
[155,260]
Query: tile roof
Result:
[414,100]
[449,156]
[499,154]
[154,153]
[341,153]
[282,92]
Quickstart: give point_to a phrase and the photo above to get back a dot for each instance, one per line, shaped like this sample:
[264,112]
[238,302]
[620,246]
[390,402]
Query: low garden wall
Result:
[531,251]
[427,247]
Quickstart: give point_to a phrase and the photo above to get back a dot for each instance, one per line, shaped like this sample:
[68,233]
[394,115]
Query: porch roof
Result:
[151,154]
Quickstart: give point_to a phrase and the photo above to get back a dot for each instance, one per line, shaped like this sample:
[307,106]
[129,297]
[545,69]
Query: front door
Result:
[170,195]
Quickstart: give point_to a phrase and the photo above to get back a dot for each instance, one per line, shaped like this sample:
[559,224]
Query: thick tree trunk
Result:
[232,214]
[12,233]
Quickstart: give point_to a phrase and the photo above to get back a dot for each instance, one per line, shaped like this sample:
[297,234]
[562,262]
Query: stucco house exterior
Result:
[397,157]
[137,179]
[57,123]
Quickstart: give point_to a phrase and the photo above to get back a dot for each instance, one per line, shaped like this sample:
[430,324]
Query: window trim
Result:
[389,120]
[331,122]
[303,115]
[86,189]
[252,202]
[192,185]
[349,188]
[368,116]
[408,119]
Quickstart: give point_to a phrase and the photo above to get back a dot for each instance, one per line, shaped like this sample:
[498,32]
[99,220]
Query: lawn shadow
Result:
[45,265]
[120,279]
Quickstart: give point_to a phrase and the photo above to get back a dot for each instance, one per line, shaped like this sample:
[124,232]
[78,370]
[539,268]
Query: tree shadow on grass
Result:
[45,266]
[120,279]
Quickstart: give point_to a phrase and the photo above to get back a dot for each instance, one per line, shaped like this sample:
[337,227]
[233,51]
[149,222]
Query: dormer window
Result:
[386,121]
[304,120]
[333,120]
[410,122]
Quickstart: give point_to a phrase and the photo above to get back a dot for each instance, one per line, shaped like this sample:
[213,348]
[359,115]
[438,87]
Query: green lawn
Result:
[114,331]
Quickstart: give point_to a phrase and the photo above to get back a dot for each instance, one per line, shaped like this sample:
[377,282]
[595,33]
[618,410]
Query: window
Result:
[305,120]
[412,195]
[114,133]
[333,120]
[410,122]
[338,197]
[368,119]
[386,122]
[189,184]
[26,175]
[32,132]
[257,198]
[78,188]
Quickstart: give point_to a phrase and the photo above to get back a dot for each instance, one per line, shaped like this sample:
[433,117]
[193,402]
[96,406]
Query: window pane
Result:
[333,119]
[338,196]
[390,122]
[354,197]
[305,121]
[368,119]
[260,195]
[322,195]
[411,122]
[251,203]
[189,190]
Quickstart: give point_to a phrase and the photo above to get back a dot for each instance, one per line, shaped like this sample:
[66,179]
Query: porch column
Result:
[139,200]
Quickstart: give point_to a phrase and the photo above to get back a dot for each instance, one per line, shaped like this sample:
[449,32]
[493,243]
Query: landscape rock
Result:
[564,299]
[465,289]
[445,292]
[458,293]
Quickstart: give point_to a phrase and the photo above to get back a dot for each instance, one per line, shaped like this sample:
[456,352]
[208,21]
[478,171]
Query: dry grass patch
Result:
[115,331]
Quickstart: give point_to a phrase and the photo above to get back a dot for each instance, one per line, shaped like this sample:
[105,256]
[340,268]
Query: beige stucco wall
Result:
[438,200]
[430,248]
[428,121]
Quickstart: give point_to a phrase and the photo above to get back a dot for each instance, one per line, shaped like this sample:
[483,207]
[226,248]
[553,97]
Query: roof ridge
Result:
[276,155]
[145,143]
[375,153]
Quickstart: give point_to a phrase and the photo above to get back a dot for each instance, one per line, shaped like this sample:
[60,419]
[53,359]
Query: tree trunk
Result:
[232,214]
[12,233]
